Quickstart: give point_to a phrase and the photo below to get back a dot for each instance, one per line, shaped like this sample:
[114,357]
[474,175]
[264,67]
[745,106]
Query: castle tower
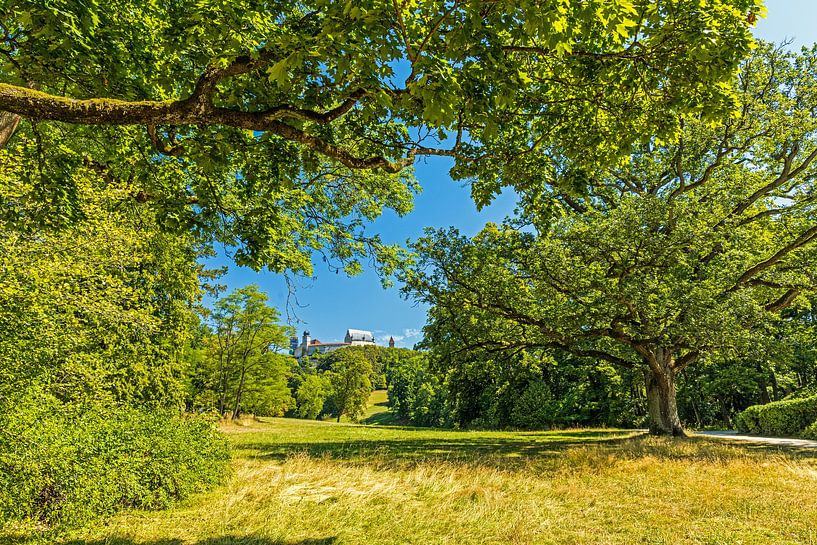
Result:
[391,342]
[305,342]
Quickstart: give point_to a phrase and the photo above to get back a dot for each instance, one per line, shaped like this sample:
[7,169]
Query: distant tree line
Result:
[236,365]
[543,389]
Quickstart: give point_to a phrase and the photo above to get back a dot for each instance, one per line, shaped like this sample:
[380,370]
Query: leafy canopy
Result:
[279,128]
[97,312]
[241,366]
[692,249]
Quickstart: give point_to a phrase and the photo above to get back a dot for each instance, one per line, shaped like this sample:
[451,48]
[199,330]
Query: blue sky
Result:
[330,303]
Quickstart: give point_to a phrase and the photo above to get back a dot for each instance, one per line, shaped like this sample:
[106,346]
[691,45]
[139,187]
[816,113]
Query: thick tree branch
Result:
[784,300]
[685,360]
[805,238]
[786,174]
[35,104]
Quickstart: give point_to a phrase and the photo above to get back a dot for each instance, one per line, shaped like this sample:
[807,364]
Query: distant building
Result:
[391,342]
[358,336]
[310,346]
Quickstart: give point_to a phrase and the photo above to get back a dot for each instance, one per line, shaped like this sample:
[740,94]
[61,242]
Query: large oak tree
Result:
[278,128]
[692,249]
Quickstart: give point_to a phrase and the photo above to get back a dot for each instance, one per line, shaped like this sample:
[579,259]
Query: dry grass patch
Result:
[304,483]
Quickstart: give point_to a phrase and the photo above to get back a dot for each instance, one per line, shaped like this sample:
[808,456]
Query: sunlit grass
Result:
[377,411]
[310,483]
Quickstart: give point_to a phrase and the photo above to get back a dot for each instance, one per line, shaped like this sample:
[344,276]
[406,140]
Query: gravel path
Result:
[779,441]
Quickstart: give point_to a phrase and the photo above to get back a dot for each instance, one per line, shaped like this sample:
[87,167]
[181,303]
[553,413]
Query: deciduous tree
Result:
[97,313]
[244,346]
[311,396]
[692,249]
[278,128]
[350,384]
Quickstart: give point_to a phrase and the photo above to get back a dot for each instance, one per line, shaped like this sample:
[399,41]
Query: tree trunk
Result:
[775,386]
[222,398]
[661,396]
[238,394]
[8,125]
[762,386]
[9,122]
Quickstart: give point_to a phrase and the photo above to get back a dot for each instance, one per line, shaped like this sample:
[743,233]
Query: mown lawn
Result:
[313,483]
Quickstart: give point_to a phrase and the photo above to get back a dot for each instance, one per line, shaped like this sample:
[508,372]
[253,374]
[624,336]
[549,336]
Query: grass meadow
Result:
[377,413]
[298,482]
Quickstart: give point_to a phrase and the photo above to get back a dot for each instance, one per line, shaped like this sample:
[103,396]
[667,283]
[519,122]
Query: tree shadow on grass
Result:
[385,418]
[464,447]
[520,449]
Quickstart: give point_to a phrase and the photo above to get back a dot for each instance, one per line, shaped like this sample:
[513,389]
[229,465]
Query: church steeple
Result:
[391,342]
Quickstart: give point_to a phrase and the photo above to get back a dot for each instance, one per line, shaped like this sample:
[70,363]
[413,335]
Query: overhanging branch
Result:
[34,104]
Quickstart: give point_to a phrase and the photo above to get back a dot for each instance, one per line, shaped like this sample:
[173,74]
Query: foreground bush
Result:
[789,417]
[811,432]
[63,466]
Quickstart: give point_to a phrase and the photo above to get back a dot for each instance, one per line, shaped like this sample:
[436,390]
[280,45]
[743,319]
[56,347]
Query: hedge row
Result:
[811,432]
[63,466]
[791,417]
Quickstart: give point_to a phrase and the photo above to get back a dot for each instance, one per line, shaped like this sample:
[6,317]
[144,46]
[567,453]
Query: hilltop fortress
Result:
[309,346]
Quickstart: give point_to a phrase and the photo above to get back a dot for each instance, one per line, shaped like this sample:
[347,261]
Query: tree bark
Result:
[197,110]
[239,393]
[661,401]
[775,387]
[8,125]
[9,121]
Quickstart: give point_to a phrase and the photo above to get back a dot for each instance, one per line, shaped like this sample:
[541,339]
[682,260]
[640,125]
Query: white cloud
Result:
[407,339]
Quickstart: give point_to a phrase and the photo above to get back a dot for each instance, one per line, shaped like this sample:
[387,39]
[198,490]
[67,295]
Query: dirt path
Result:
[775,441]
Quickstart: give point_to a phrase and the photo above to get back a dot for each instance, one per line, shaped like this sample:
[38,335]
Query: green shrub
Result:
[65,465]
[534,408]
[747,421]
[788,418]
[811,431]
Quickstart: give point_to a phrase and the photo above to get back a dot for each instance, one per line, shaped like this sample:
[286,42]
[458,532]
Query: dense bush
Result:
[749,420]
[789,417]
[311,396]
[63,465]
[417,395]
[534,408]
[811,432]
